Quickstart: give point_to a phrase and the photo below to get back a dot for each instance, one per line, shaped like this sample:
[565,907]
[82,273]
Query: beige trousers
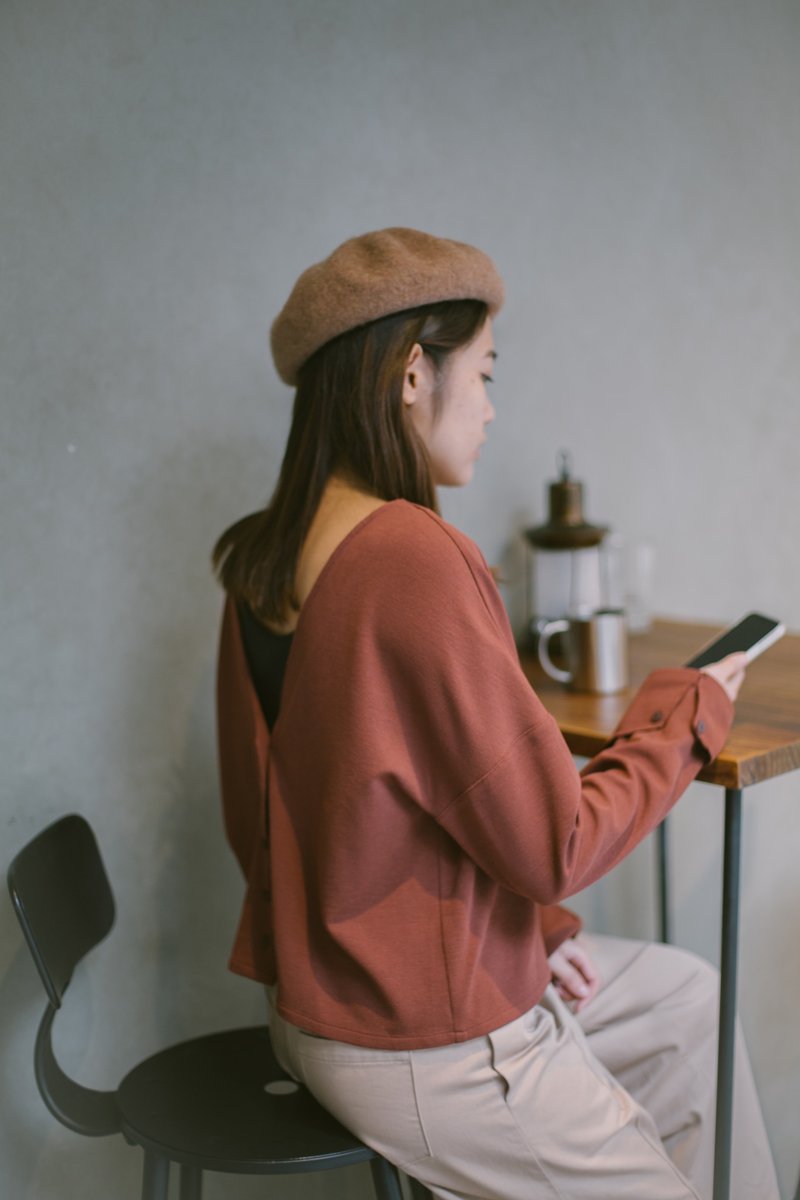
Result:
[615,1104]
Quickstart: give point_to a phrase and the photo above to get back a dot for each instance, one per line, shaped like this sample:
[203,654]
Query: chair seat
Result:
[205,1102]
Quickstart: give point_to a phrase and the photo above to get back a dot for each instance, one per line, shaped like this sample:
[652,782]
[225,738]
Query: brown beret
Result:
[371,276]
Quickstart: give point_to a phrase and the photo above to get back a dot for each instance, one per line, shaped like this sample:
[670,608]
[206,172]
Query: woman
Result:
[405,811]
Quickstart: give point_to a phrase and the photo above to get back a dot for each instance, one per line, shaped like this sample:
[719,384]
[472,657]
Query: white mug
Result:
[597,651]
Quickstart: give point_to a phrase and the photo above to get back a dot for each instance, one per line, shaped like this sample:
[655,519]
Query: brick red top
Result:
[423,805]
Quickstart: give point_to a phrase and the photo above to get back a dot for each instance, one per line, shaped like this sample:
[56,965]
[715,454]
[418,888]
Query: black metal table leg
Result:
[727,991]
[662,846]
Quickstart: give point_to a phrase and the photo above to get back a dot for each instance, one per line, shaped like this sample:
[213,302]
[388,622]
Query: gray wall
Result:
[166,170]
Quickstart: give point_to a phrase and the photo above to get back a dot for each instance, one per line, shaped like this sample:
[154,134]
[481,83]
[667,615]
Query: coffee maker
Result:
[566,572]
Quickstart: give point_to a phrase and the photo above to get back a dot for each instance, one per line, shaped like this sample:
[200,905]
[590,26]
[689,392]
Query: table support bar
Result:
[727,991]
[662,844]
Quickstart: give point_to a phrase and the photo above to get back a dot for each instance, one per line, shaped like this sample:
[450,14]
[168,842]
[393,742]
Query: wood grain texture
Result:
[765,738]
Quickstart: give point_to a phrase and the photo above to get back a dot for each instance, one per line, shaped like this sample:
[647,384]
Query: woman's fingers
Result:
[729,672]
[574,974]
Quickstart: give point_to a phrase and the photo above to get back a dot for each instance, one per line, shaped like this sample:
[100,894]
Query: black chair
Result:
[215,1103]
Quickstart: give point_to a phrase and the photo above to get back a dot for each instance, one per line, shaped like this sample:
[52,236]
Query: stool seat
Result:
[223,1103]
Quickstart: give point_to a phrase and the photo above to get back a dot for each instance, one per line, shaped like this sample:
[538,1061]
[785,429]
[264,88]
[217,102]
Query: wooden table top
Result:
[765,738]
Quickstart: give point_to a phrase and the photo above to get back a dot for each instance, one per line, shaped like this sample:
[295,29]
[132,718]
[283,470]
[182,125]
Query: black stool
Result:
[215,1103]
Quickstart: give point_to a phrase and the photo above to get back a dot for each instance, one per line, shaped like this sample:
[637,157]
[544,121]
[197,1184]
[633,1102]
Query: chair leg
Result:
[155,1177]
[385,1179]
[191,1183]
[418,1190]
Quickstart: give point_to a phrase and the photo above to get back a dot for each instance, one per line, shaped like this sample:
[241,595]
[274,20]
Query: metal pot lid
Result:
[566,528]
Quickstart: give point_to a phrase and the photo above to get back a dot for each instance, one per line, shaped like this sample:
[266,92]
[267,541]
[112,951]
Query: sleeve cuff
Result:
[713,715]
[663,692]
[558,924]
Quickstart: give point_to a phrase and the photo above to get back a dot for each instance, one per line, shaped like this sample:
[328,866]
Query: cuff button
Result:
[657,715]
[701,726]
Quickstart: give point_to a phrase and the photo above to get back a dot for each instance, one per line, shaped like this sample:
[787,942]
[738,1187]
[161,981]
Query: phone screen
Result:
[753,633]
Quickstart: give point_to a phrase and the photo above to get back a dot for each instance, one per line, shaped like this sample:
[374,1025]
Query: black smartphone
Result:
[753,634]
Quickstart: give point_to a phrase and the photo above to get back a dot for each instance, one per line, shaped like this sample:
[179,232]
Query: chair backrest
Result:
[62,898]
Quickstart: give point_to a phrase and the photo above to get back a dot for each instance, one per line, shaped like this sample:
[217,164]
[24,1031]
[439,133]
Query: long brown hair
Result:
[349,419]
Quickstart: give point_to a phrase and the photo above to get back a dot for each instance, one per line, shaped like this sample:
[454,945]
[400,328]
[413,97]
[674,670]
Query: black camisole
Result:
[267,654]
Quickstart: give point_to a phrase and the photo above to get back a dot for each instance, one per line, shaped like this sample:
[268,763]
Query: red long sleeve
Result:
[423,806]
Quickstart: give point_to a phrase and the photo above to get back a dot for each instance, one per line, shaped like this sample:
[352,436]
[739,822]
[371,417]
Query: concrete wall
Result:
[166,170]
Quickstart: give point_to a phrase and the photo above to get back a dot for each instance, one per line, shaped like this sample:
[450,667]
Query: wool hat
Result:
[372,276]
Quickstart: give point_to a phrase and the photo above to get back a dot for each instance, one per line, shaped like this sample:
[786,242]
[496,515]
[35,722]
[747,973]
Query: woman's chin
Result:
[454,479]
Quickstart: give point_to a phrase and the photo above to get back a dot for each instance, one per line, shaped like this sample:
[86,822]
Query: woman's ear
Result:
[419,376]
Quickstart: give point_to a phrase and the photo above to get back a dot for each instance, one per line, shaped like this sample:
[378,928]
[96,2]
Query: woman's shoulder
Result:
[408,554]
[405,577]
[414,536]
[401,555]
[416,526]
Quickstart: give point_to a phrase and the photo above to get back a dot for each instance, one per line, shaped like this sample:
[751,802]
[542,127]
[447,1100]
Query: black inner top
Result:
[267,654]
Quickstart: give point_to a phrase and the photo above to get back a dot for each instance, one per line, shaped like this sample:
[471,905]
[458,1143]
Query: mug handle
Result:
[550,630]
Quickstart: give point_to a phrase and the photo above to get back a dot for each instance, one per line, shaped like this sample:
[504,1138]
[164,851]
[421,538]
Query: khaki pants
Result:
[615,1104]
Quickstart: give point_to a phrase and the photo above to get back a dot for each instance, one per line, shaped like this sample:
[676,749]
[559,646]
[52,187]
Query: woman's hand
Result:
[728,672]
[574,975]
